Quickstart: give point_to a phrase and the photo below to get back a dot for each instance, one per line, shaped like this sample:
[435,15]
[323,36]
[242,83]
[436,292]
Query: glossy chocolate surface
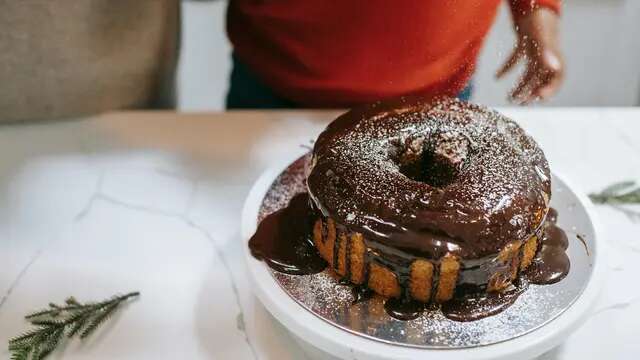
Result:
[431,177]
[322,295]
[284,239]
[551,263]
[404,308]
[423,178]
[478,305]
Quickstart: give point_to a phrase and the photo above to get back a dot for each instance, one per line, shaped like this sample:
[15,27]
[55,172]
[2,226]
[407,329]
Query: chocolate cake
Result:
[419,197]
[422,201]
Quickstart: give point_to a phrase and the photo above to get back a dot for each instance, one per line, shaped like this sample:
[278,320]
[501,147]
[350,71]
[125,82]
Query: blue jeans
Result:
[247,91]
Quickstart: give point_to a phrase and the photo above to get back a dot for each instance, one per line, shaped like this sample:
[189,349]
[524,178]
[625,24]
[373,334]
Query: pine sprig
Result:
[618,195]
[98,320]
[625,192]
[20,354]
[57,321]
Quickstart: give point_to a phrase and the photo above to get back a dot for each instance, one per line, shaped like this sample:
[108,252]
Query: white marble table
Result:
[151,202]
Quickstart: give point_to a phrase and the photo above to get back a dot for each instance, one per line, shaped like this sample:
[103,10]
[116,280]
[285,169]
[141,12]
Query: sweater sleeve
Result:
[526,6]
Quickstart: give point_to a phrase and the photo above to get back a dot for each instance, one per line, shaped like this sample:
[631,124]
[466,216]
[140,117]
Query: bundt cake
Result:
[419,198]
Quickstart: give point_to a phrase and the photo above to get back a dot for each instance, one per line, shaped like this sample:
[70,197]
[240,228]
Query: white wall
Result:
[601,39]
[204,59]
[601,42]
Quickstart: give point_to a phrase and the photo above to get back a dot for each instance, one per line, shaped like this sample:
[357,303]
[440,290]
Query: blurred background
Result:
[601,42]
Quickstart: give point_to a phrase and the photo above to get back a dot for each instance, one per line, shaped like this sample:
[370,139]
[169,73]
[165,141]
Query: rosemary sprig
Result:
[625,192]
[57,321]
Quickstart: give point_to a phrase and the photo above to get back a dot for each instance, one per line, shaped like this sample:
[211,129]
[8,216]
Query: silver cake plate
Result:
[324,297]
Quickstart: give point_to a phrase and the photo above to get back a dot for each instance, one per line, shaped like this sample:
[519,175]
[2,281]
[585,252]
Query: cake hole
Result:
[427,169]
[436,161]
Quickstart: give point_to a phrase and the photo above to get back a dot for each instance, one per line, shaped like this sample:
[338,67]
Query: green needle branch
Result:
[625,192]
[618,195]
[56,322]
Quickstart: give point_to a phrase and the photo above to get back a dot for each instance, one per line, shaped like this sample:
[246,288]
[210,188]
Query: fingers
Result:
[548,88]
[538,85]
[510,63]
[552,75]
[542,79]
[521,94]
[539,48]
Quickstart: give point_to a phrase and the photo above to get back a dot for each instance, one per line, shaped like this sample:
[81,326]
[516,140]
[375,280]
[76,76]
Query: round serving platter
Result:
[320,311]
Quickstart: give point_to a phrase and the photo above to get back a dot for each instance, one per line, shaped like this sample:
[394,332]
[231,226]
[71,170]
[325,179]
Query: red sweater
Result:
[325,53]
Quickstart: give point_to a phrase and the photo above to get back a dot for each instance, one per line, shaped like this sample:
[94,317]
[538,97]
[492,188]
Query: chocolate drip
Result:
[336,252]
[347,259]
[401,269]
[284,239]
[367,264]
[404,308]
[584,243]
[555,236]
[337,244]
[361,293]
[480,304]
[435,283]
[551,263]
[552,216]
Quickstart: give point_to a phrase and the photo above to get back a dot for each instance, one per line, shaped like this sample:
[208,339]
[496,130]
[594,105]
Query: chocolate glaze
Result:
[284,239]
[472,302]
[275,244]
[431,177]
[550,265]
[421,178]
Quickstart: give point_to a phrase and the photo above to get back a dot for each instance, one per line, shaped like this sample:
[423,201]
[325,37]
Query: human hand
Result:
[538,46]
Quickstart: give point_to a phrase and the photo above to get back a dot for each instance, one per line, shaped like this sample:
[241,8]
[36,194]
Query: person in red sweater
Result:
[320,53]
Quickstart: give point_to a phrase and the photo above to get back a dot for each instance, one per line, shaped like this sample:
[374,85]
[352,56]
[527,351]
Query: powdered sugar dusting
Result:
[322,295]
[501,183]
[285,187]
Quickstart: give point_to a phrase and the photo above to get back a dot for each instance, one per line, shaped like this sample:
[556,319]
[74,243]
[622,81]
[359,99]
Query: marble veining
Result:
[98,195]
[617,306]
[21,274]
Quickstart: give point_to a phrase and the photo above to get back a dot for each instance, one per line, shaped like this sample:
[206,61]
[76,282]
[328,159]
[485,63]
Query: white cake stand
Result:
[324,340]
